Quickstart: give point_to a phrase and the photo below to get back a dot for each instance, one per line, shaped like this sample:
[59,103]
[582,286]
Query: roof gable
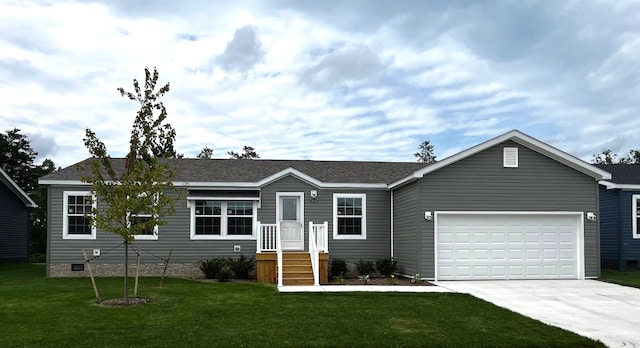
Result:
[520,138]
[4,177]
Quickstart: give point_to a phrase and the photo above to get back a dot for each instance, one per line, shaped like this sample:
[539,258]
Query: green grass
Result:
[36,311]
[628,278]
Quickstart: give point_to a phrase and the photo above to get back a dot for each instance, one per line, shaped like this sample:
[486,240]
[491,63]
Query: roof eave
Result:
[29,203]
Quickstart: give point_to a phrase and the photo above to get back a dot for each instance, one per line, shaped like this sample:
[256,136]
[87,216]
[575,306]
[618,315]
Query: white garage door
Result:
[507,246]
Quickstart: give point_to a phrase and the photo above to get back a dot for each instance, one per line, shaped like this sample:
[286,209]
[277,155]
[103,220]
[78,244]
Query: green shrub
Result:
[365,267]
[38,258]
[242,267]
[337,268]
[387,267]
[224,274]
[211,267]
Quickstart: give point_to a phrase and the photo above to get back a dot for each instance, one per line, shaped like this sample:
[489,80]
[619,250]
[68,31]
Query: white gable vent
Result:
[510,157]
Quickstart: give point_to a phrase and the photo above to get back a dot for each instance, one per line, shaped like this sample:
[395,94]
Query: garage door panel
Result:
[507,246]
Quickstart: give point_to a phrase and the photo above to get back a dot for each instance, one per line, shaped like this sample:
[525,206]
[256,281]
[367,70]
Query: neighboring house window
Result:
[211,219]
[142,217]
[349,216]
[635,214]
[75,224]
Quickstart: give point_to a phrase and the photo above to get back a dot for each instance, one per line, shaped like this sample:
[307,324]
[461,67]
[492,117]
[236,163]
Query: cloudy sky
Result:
[345,80]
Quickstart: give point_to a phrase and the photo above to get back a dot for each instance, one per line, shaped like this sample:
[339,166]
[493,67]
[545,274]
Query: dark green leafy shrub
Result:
[38,258]
[242,267]
[365,267]
[211,267]
[224,274]
[337,268]
[386,267]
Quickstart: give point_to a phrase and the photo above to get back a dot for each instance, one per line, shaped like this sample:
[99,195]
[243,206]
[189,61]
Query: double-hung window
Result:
[349,216]
[148,232]
[76,223]
[635,215]
[219,219]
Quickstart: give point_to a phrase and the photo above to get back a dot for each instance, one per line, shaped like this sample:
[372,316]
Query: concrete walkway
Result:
[367,288]
[601,311]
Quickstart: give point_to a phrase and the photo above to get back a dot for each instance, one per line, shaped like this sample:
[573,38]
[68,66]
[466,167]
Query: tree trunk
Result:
[126,271]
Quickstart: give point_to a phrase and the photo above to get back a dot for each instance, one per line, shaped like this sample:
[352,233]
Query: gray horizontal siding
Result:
[378,242]
[406,240]
[609,219]
[14,227]
[175,234]
[481,183]
[630,246]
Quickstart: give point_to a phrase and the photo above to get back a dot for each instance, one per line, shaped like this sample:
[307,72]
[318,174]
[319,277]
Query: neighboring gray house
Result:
[14,221]
[510,208]
[620,216]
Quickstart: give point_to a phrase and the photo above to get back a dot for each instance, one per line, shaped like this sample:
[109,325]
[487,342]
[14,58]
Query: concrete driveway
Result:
[602,311]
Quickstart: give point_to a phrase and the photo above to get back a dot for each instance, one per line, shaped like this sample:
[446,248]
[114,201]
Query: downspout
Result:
[392,224]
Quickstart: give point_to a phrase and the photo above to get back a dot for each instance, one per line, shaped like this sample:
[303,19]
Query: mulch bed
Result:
[120,302]
[381,281]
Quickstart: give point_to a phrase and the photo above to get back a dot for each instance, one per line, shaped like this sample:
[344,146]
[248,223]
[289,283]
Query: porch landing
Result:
[362,288]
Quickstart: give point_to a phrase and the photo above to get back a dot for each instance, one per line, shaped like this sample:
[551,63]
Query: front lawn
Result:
[628,278]
[40,312]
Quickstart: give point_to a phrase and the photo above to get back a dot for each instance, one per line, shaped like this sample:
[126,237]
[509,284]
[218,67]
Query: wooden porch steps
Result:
[296,268]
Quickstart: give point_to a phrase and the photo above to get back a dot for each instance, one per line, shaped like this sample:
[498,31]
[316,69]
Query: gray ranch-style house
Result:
[14,220]
[620,216]
[512,207]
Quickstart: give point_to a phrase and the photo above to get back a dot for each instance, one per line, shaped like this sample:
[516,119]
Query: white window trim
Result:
[191,203]
[510,157]
[155,228]
[65,215]
[634,216]
[364,215]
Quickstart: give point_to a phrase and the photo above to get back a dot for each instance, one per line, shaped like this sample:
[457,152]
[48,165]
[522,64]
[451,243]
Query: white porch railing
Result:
[314,254]
[269,240]
[267,237]
[322,235]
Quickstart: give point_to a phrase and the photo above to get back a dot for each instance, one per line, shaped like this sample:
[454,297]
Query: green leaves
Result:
[139,185]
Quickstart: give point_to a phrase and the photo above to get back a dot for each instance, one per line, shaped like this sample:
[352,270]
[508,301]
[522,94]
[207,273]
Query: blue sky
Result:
[356,80]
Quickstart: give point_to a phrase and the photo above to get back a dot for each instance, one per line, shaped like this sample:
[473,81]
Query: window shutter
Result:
[510,157]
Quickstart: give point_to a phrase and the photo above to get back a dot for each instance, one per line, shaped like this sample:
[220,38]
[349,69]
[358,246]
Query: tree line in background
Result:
[609,157]
[17,159]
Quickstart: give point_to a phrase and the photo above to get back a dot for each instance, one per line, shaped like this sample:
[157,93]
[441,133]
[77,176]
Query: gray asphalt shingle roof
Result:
[622,173]
[227,170]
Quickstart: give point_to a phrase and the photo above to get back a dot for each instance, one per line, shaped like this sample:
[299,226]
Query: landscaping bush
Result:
[242,267]
[38,258]
[225,273]
[337,268]
[365,267]
[212,267]
[387,267]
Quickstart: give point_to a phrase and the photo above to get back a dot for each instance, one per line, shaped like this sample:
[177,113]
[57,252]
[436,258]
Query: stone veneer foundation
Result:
[183,270]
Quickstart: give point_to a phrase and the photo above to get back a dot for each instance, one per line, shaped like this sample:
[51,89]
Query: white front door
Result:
[290,217]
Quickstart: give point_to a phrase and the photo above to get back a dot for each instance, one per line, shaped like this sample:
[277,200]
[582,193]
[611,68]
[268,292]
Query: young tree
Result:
[135,197]
[248,153]
[206,153]
[425,155]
